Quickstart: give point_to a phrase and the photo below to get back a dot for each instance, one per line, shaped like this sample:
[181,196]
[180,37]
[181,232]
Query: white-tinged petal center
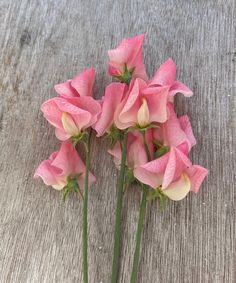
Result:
[60,185]
[179,189]
[69,124]
[143,115]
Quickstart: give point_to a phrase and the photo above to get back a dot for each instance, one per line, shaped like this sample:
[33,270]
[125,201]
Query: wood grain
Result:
[46,42]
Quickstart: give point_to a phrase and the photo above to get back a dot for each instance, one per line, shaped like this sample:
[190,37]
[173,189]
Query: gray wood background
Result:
[46,42]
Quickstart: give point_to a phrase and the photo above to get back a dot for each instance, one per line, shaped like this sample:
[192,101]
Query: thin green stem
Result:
[142,213]
[85,211]
[146,146]
[117,233]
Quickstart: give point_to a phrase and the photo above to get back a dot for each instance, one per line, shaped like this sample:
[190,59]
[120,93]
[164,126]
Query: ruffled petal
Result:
[83,83]
[152,172]
[157,103]
[179,87]
[113,96]
[187,128]
[165,75]
[65,89]
[196,174]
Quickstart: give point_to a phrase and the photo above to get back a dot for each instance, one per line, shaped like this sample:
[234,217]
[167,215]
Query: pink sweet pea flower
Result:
[136,153]
[128,54]
[114,94]
[166,76]
[142,106]
[61,165]
[173,173]
[175,131]
[71,116]
[81,85]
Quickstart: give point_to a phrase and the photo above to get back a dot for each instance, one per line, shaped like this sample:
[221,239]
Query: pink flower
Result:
[71,116]
[173,173]
[136,153]
[128,54]
[114,94]
[81,85]
[175,131]
[166,76]
[142,106]
[61,165]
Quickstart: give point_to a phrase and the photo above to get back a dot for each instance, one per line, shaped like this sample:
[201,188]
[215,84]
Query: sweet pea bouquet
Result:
[150,144]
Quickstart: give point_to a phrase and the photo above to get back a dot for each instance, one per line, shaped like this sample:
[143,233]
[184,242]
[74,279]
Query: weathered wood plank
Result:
[44,42]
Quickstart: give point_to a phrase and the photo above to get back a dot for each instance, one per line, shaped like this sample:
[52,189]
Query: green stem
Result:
[85,211]
[117,233]
[142,213]
[146,146]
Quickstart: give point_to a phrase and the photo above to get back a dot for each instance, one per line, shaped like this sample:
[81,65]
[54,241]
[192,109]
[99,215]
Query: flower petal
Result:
[178,189]
[128,52]
[65,89]
[196,174]
[113,96]
[187,128]
[152,172]
[157,103]
[165,75]
[83,83]
[179,87]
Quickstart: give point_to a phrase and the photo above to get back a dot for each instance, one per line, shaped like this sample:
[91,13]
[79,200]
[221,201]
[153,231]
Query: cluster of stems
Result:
[118,216]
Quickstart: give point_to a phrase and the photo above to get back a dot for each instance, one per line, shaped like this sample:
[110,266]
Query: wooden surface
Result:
[46,42]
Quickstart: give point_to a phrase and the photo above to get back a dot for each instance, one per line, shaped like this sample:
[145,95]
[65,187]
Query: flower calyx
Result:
[72,186]
[126,76]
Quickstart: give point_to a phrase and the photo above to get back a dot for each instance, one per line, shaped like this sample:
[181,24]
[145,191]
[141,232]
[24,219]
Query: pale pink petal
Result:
[90,106]
[136,154]
[113,96]
[52,113]
[174,135]
[165,75]
[65,89]
[47,173]
[171,132]
[63,158]
[183,147]
[61,134]
[152,172]
[126,112]
[187,128]
[196,174]
[177,163]
[170,169]
[157,104]
[131,107]
[67,105]
[84,110]
[179,87]
[83,83]
[120,125]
